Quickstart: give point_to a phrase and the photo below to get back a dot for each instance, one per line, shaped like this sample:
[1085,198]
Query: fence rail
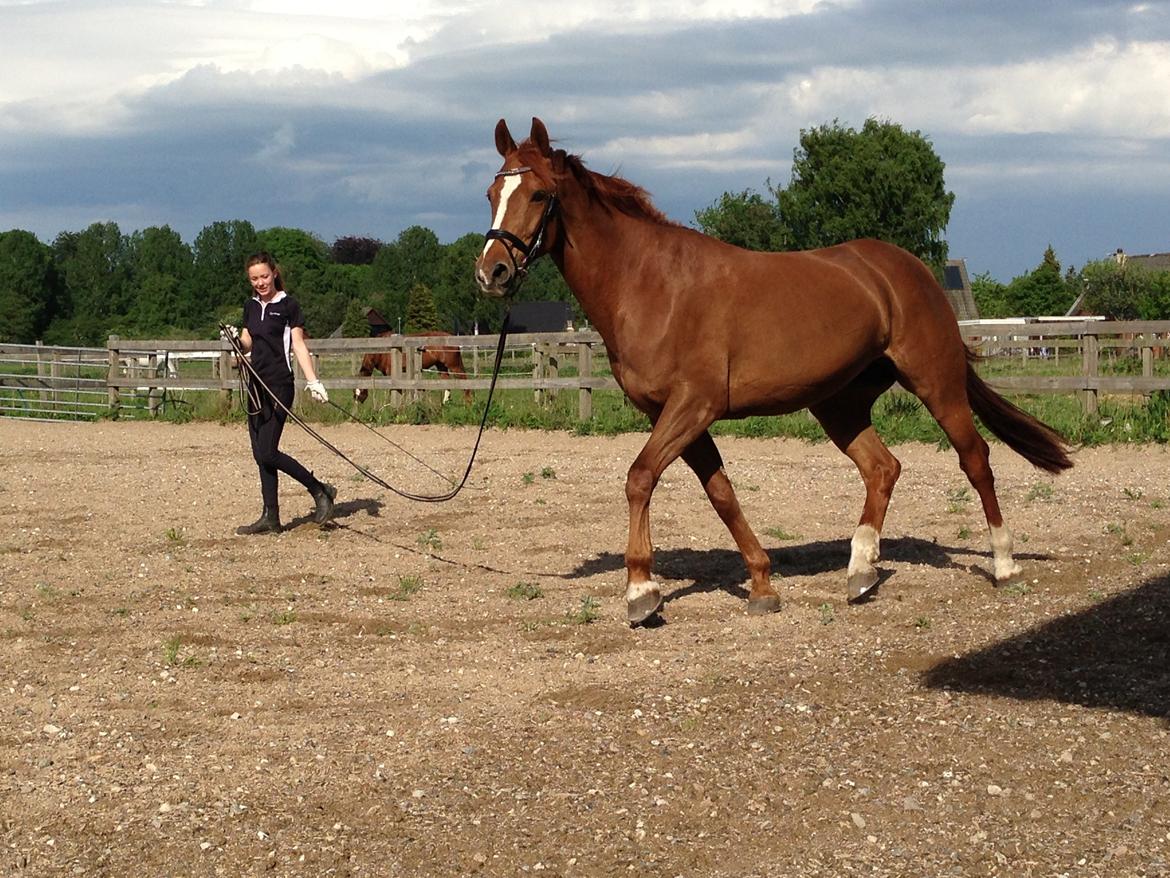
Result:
[133,377]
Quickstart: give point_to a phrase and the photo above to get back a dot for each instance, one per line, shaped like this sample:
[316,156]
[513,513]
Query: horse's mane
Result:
[612,192]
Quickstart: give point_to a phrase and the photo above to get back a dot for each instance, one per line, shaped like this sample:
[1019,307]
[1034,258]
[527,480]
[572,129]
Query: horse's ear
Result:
[539,136]
[504,142]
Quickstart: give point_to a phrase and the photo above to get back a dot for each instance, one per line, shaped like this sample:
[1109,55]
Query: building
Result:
[957,286]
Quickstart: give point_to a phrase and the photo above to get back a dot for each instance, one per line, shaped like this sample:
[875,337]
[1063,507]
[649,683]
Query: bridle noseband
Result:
[514,243]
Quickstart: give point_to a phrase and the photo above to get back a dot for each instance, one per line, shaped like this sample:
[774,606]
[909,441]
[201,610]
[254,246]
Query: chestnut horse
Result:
[697,330]
[447,359]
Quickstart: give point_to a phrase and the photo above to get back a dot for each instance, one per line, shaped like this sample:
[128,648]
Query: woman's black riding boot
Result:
[324,498]
[267,523]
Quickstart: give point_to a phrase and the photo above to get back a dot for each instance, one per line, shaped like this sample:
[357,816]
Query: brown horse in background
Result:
[447,359]
[697,330]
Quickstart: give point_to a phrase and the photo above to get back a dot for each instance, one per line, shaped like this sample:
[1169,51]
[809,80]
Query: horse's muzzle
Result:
[496,277]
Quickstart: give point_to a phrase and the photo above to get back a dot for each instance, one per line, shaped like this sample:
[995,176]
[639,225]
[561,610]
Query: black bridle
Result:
[514,243]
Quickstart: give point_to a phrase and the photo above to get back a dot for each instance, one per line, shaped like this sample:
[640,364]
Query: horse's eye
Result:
[539,195]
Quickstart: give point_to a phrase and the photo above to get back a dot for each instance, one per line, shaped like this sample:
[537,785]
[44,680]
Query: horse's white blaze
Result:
[511,184]
[1001,550]
[864,549]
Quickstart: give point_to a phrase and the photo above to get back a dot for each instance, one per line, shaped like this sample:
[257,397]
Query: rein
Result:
[248,375]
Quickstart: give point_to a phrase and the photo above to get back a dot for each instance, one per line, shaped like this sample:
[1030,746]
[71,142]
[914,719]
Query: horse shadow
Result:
[711,570]
[1113,655]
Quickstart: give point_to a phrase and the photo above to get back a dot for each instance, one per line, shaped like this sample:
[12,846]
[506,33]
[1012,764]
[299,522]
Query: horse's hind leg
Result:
[846,419]
[947,403]
[703,457]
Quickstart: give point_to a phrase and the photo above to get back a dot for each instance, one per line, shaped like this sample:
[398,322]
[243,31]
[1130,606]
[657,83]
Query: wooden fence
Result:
[134,378]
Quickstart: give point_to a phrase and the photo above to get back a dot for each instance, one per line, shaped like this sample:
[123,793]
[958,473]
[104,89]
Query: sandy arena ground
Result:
[451,689]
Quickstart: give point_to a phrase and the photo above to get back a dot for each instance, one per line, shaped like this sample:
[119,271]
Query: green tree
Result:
[220,285]
[297,253]
[1042,291]
[27,286]
[880,182]
[93,266]
[990,296]
[414,258]
[421,315]
[355,324]
[355,250]
[1122,291]
[744,219]
[160,281]
[324,294]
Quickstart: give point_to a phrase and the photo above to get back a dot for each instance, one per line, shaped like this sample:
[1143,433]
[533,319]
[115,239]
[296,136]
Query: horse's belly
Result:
[776,386]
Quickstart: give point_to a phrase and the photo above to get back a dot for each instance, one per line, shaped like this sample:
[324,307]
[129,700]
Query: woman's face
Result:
[262,279]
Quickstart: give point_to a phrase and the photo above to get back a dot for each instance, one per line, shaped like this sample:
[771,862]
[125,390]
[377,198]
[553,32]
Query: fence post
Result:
[397,355]
[154,394]
[224,364]
[413,361]
[585,370]
[538,352]
[112,397]
[55,375]
[1090,362]
[45,394]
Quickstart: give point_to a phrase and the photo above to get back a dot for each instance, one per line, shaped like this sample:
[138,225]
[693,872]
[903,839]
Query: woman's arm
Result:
[301,352]
[245,340]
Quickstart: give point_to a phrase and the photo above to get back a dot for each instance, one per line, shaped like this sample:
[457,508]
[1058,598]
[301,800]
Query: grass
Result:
[525,591]
[1041,491]
[957,499]
[430,540]
[779,533]
[588,611]
[407,586]
[171,650]
[898,417]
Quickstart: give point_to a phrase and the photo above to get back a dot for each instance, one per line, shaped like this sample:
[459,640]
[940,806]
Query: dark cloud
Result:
[414,145]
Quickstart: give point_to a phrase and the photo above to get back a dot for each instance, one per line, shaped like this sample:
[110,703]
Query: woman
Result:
[273,326]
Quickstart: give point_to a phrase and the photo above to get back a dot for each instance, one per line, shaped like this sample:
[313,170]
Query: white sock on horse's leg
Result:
[1005,566]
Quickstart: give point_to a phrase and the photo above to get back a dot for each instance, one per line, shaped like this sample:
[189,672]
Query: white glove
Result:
[317,391]
[229,333]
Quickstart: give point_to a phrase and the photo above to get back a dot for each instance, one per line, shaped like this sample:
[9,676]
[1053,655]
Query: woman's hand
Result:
[317,391]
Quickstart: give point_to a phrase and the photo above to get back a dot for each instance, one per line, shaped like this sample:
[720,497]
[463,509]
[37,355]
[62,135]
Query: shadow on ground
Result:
[1114,655]
[723,569]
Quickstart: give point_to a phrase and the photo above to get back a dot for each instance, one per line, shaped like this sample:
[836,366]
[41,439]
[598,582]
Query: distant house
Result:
[379,325]
[541,317]
[957,286]
[1149,261]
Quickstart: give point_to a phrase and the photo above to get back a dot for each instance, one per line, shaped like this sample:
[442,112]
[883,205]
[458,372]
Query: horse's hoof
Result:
[860,585]
[642,607]
[761,606]
[1006,572]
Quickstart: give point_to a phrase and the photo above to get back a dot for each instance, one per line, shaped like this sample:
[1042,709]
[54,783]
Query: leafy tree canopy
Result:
[880,182]
[745,219]
[27,286]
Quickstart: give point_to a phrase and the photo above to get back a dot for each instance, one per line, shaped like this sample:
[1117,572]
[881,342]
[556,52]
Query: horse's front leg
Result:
[676,428]
[703,457]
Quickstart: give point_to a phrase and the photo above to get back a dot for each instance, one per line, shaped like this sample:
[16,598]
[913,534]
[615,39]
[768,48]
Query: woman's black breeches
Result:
[264,429]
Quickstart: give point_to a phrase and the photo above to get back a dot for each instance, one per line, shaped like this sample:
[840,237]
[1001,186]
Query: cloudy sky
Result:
[364,118]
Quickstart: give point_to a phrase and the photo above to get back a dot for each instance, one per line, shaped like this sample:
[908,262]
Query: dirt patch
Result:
[422,690]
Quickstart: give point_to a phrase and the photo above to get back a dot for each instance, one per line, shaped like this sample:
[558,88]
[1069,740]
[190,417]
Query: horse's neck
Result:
[598,257]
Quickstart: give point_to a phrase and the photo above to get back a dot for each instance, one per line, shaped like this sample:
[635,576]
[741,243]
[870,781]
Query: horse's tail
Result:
[1029,437]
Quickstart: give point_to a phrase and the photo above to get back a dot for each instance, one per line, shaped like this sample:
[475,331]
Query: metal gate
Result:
[46,383]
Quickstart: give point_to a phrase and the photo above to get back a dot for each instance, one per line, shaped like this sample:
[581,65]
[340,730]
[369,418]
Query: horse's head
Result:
[523,197]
